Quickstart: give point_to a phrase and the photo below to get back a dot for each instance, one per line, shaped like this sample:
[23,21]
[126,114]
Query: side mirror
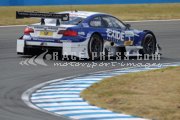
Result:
[128,26]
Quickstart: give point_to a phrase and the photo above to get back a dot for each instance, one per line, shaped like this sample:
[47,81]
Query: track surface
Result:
[15,79]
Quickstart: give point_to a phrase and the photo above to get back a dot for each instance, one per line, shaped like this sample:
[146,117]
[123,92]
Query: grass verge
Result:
[124,12]
[152,94]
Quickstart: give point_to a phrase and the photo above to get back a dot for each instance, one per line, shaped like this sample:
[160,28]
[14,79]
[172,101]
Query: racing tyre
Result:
[148,44]
[95,47]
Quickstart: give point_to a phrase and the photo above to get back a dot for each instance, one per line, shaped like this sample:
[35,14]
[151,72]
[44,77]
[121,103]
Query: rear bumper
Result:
[32,48]
[43,44]
[68,48]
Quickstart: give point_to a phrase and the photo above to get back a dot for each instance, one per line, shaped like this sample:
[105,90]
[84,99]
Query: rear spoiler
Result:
[62,17]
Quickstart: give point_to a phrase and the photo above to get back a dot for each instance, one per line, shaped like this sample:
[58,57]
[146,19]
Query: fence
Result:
[78,2]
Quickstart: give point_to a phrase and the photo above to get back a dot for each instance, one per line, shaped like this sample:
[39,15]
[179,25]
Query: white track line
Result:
[98,116]
[80,111]
[124,21]
[57,100]
[8,26]
[170,20]
[71,108]
[54,96]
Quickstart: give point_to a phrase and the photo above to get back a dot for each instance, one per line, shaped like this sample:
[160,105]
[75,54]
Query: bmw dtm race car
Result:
[81,34]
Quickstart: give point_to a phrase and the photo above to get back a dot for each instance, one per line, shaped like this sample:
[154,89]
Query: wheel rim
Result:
[149,44]
[96,45]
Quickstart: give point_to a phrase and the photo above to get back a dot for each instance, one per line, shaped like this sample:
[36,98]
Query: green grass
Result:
[152,94]
[124,12]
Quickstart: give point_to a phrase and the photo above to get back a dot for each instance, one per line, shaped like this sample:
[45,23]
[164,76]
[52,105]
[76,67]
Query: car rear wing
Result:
[58,17]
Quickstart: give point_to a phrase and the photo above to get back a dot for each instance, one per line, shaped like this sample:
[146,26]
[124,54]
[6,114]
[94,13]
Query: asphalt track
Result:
[15,79]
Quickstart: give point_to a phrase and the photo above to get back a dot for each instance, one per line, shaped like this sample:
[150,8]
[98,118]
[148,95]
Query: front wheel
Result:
[148,44]
[95,47]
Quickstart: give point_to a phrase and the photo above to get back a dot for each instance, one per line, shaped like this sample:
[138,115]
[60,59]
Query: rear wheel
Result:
[148,44]
[95,47]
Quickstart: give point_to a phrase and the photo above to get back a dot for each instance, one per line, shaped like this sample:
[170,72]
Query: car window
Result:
[72,21]
[117,23]
[112,22]
[107,22]
[96,22]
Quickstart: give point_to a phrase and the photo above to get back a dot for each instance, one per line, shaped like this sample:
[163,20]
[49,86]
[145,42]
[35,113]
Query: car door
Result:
[96,25]
[113,31]
[117,32]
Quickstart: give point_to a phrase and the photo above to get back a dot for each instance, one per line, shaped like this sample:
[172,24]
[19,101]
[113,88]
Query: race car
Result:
[84,34]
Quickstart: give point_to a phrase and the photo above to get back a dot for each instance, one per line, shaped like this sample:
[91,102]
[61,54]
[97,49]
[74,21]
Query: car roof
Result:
[83,14]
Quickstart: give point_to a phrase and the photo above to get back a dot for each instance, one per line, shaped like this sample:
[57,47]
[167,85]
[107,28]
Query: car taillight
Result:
[27,31]
[68,33]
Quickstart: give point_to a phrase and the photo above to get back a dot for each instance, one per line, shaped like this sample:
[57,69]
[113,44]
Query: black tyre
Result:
[95,47]
[149,45]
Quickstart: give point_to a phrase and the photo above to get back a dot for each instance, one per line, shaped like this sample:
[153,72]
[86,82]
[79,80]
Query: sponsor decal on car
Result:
[81,33]
[115,36]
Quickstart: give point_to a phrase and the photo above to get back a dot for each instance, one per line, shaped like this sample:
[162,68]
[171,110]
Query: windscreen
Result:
[72,21]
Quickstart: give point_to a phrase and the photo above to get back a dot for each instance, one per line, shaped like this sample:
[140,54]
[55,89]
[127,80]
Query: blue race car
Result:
[84,34]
